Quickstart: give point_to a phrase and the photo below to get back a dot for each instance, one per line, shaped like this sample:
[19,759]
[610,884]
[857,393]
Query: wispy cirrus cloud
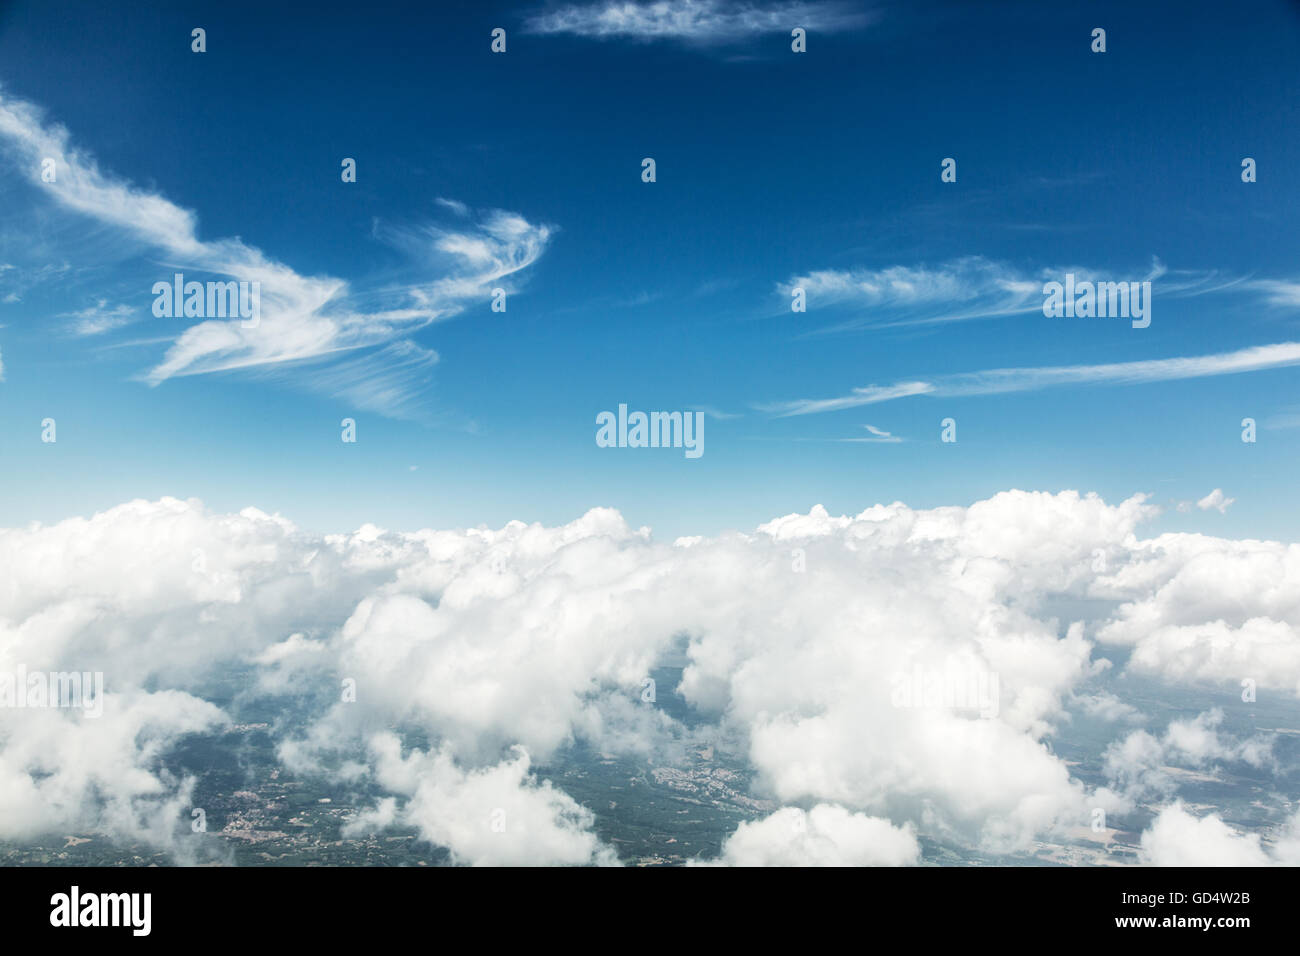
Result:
[15,282]
[500,245]
[1288,417]
[696,21]
[866,395]
[964,288]
[715,413]
[1278,292]
[307,321]
[1003,380]
[974,287]
[389,378]
[100,318]
[455,205]
[877,436]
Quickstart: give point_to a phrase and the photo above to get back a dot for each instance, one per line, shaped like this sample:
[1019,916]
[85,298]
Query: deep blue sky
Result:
[664,296]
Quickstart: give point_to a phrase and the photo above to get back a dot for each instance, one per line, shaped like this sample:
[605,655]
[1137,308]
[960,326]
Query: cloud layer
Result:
[803,642]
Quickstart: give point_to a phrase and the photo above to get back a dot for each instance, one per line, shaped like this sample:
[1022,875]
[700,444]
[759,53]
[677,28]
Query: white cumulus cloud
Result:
[501,649]
[826,835]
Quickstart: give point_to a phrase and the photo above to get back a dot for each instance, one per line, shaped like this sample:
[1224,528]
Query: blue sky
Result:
[523,170]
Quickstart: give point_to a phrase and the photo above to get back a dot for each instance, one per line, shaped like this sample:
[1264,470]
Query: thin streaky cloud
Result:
[696,21]
[1287,418]
[99,319]
[1278,292]
[455,205]
[384,380]
[974,287]
[715,413]
[867,395]
[879,436]
[1004,380]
